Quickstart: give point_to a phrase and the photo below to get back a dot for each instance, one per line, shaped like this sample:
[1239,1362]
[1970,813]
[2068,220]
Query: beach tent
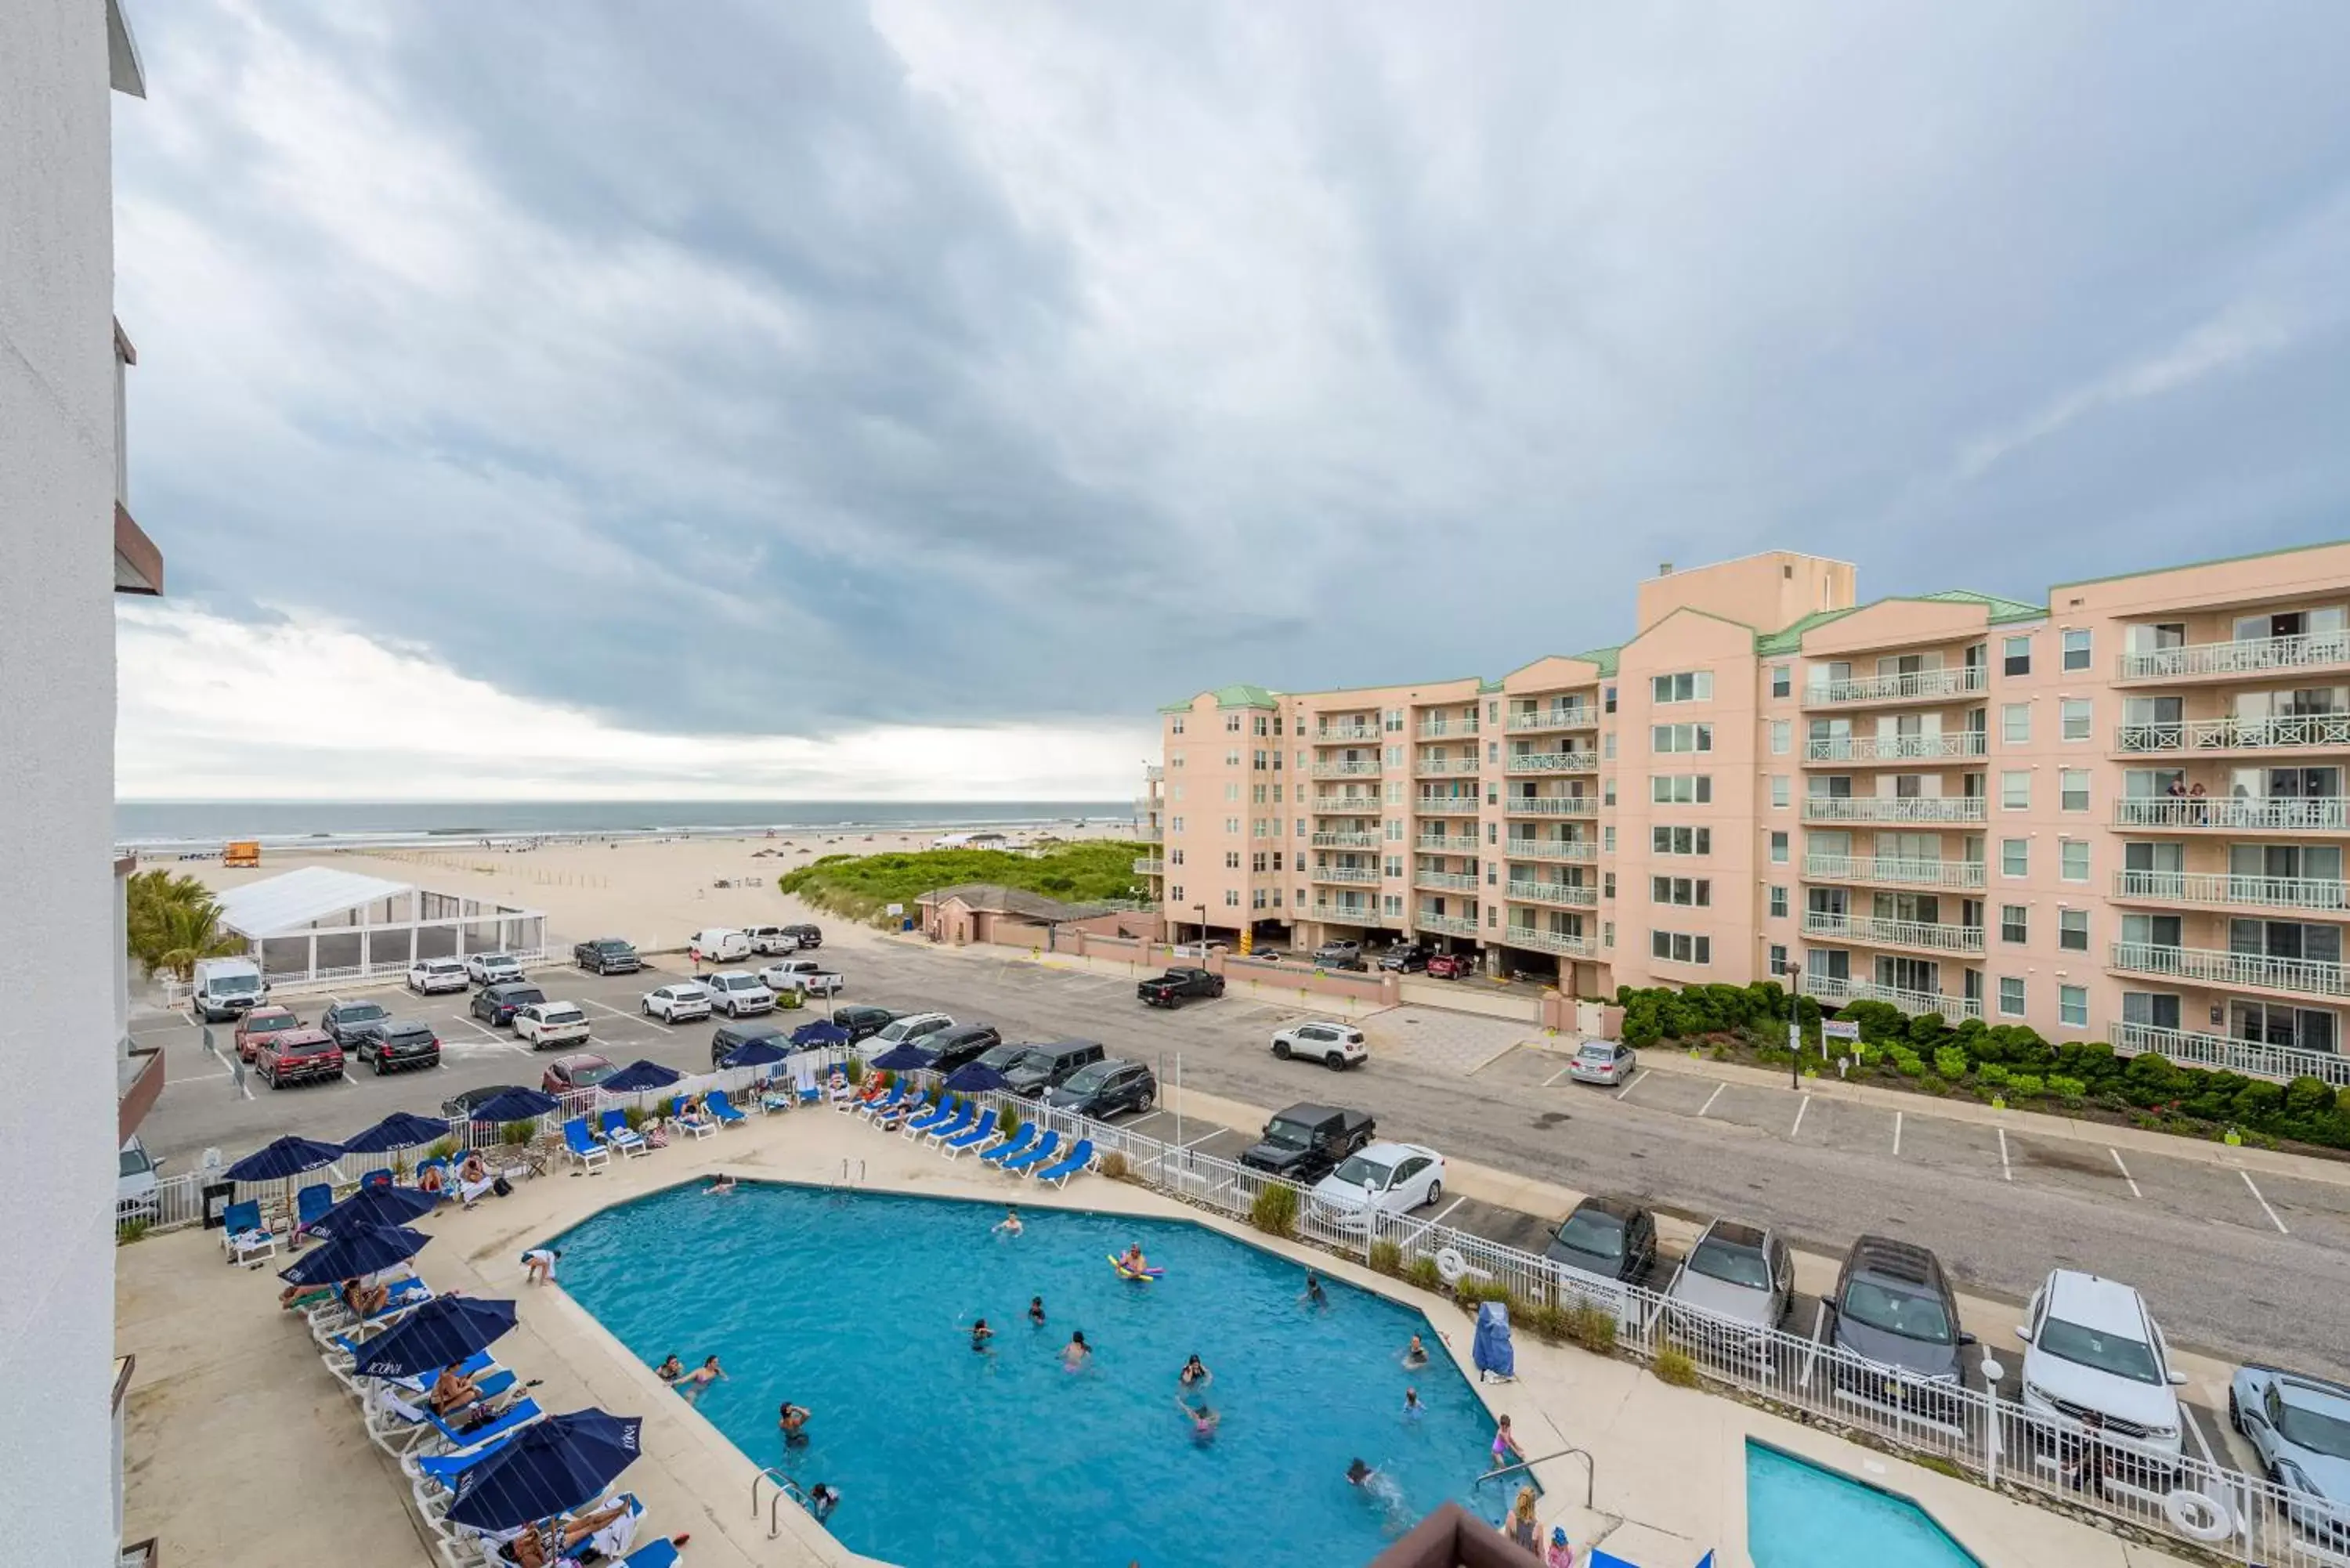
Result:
[318,924]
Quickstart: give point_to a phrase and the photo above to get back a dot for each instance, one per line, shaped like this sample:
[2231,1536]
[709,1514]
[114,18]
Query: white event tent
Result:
[318,924]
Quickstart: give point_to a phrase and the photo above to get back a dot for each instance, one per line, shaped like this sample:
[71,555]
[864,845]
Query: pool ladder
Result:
[784,1488]
[845,1167]
[1590,1470]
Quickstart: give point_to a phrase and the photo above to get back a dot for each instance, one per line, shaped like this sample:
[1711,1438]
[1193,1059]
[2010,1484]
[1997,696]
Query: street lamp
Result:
[1794,1026]
[1203,932]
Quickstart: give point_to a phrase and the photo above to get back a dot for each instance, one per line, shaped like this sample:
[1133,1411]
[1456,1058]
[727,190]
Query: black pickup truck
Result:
[607,955]
[1306,1142]
[1169,990]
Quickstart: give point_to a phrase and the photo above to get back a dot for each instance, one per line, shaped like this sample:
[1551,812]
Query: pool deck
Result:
[240,1448]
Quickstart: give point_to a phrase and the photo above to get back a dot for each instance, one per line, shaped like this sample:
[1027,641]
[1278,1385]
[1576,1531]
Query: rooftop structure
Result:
[321,924]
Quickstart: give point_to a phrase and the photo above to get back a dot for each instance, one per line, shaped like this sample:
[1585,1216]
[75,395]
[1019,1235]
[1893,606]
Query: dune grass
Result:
[859,886]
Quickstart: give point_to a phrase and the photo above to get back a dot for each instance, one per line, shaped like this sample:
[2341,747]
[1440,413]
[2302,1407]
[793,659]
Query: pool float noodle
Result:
[1125,1273]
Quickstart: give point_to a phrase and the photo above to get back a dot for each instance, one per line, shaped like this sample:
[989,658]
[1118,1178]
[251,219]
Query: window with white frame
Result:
[2077,650]
[1175,727]
[1781,790]
[1782,737]
[2072,789]
[1233,825]
[1779,842]
[1608,746]
[1681,789]
[2074,715]
[2015,791]
[2015,656]
[1233,758]
[1232,791]
[2014,923]
[1783,680]
[1669,740]
[1175,823]
[2011,996]
[1175,892]
[2015,724]
[2073,859]
[1688,686]
[1778,958]
[1231,897]
[1690,892]
[1232,724]
[1231,859]
[1608,839]
[2015,857]
[2072,1006]
[1679,840]
[1681,947]
[1608,790]
[1606,933]
[1778,903]
[2073,931]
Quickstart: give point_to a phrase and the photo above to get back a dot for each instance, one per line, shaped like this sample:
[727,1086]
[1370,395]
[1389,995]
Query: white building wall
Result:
[57,779]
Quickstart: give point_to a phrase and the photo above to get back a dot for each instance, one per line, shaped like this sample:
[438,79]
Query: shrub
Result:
[1908,1065]
[665,1109]
[1274,1211]
[856,1070]
[131,1229]
[1990,1073]
[2307,1097]
[2066,1088]
[442,1148]
[1007,1122]
[1674,1366]
[1421,1272]
[636,1116]
[1113,1166]
[516,1132]
[2027,1085]
[1387,1258]
[1950,1062]
[1592,1327]
[1471,1292]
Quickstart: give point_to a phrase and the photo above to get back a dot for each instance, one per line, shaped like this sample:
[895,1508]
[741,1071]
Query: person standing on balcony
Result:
[2200,806]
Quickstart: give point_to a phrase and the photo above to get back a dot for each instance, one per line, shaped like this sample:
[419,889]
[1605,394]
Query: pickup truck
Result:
[607,955]
[1306,1142]
[1169,990]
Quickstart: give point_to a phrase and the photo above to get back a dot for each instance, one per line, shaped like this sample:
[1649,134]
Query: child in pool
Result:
[1077,1353]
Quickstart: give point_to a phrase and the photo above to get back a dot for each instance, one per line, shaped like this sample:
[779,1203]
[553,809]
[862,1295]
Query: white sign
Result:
[897,908]
[1839,1029]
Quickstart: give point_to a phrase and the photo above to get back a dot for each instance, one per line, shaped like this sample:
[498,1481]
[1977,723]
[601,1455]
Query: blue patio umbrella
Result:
[546,1469]
[752,1054]
[363,1251]
[1492,1350]
[974,1078]
[903,1057]
[819,1032]
[440,1332]
[373,1207]
[402,1129]
[639,1076]
[514,1105]
[288,1157]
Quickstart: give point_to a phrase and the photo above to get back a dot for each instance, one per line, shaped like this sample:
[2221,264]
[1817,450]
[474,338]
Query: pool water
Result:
[1801,1516]
[858,1306]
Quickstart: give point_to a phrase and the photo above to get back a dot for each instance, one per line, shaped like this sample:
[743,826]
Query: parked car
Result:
[607,955]
[914,1026]
[1895,1315]
[1102,1089]
[260,1022]
[1171,989]
[1266,955]
[2300,1426]
[812,976]
[496,1005]
[1736,1286]
[961,1043]
[719,944]
[1607,1239]
[395,1044]
[863,1020]
[225,988]
[1610,1061]
[544,1024]
[728,1037]
[1335,1045]
[460,1107]
[739,993]
[583,1070]
[1048,1065]
[1452,966]
[1381,1179]
[1406,958]
[680,1002]
[2092,1349]
[495,968]
[769,941]
[807,938]
[1305,1142]
[136,1178]
[347,1020]
[1340,955]
[432,976]
[297,1056]
[999,1058]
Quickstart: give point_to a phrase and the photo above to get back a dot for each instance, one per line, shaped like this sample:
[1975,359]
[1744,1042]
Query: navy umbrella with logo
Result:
[288,1157]
[639,1076]
[441,1332]
[548,1468]
[362,1249]
[402,1129]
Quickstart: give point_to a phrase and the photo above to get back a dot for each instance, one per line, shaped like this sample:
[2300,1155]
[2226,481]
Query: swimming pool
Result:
[858,1305]
[1799,1515]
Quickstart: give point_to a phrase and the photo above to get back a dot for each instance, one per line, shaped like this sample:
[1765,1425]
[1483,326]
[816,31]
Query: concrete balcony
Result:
[1441,767]
[1551,805]
[1956,746]
[1862,930]
[2253,972]
[1573,716]
[1149,835]
[1542,941]
[1444,881]
[1440,729]
[2252,1058]
[1152,867]
[1444,925]
[1344,841]
[1893,808]
[1438,844]
[138,1084]
[2287,813]
[1154,773]
[2225,660]
[1579,849]
[2221,890]
[1920,686]
[1346,805]
[1567,895]
[2293,732]
[1573,762]
[1361,767]
[1446,806]
[1353,876]
[1836,992]
[1341,734]
[1365,914]
[1895,871]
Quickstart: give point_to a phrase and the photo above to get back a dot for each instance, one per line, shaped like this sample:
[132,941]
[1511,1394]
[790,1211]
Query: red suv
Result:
[259,1024]
[297,1056]
[1452,966]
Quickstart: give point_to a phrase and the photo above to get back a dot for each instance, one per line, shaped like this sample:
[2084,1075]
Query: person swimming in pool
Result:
[1077,1353]
[1358,1473]
[1415,1354]
[1037,1311]
[1505,1445]
[698,1381]
[1195,1373]
[669,1371]
[720,1187]
[1204,1419]
[980,1335]
[822,1499]
[1010,1224]
[1314,1296]
[794,1419]
[1412,1408]
[1134,1262]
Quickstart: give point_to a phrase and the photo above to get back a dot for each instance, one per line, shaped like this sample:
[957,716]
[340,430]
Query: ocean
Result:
[157,824]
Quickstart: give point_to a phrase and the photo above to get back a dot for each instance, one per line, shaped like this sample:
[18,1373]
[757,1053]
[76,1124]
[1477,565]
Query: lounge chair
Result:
[402,1426]
[439,1163]
[906,1110]
[700,1122]
[616,1134]
[1042,1154]
[334,1318]
[984,1131]
[722,1109]
[243,1235]
[580,1146]
[1075,1160]
[458,1441]
[660,1553]
[932,1119]
[875,1107]
[310,1206]
[1018,1143]
[956,1126]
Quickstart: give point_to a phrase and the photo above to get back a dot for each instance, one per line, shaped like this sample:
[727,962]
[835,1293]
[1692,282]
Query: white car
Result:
[1381,1178]
[898,1031]
[738,993]
[2092,1349]
[550,1024]
[1337,1046]
[492,969]
[435,975]
[678,1003]
[803,974]
[1608,1061]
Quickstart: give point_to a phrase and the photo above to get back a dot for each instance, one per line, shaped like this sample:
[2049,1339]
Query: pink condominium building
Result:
[2118,814]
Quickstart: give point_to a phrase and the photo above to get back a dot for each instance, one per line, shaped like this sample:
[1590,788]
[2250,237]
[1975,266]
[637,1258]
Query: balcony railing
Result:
[1437,767]
[1891,868]
[2275,814]
[1940,936]
[1356,875]
[2247,656]
[1347,805]
[1917,1003]
[1573,716]
[1444,881]
[1148,805]
[1447,925]
[1346,841]
[1148,834]
[1957,681]
[1352,914]
[1436,729]
[1359,767]
[1543,941]
[1570,893]
[1551,805]
[1150,868]
[2293,732]
[1154,773]
[1893,808]
[2210,966]
[1583,850]
[1336,734]
[2252,1058]
[1572,762]
[1437,843]
[1896,748]
[1446,806]
[2220,888]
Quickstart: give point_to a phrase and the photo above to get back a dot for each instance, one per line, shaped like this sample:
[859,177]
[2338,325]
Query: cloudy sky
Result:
[808,399]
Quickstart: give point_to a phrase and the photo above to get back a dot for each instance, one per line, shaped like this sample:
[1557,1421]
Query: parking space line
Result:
[1555,1078]
[1897,1135]
[478,1027]
[1799,1116]
[2006,1171]
[1710,1098]
[1633,1085]
[632,1017]
[2263,1203]
[2195,1429]
[1448,1211]
[2124,1171]
[1205,1136]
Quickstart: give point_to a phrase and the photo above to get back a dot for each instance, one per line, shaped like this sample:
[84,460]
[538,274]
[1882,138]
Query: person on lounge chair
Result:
[429,1181]
[473,1180]
[302,1298]
[365,1300]
[453,1390]
[838,1090]
[693,1112]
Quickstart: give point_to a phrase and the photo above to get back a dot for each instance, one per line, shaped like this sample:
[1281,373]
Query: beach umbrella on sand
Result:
[974,1078]
[819,1032]
[903,1057]
[366,1250]
[514,1105]
[548,1468]
[752,1054]
[373,1207]
[440,1332]
[288,1158]
[402,1129]
[639,1076]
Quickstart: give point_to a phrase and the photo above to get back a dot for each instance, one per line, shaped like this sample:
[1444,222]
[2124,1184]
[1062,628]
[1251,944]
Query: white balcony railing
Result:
[2253,1058]
[1892,868]
[1356,875]
[1893,808]
[1574,716]
[1582,849]
[1437,767]
[1447,925]
[1363,914]
[1956,681]
[2274,814]
[1347,805]
[1543,941]
[1437,844]
[1444,881]
[1446,806]
[1570,762]
[1151,835]
[1551,805]
[1150,868]
[2292,732]
[2212,966]
[1154,772]
[2245,658]
[1337,734]
[1866,930]
[1917,1003]
[1572,895]
[1896,748]
[1437,729]
[1358,767]
[2221,889]
[1346,841]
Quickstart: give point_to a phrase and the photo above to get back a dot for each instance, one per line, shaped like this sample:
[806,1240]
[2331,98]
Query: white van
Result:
[720,944]
[771,940]
[225,988]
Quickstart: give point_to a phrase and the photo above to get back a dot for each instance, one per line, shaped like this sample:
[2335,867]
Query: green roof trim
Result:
[2000,609]
[1605,657]
[2213,561]
[1244,697]
[1790,639]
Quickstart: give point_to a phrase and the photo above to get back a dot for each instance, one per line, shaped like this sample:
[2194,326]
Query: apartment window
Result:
[1393,718]
[1392,903]
[1691,892]
[1671,739]
[1608,839]
[1778,958]
[2015,857]
[1257,861]
[1608,790]
[1680,841]
[1256,795]
[1175,893]
[1681,789]
[2016,791]
[2073,859]
[1778,906]
[1782,737]
[1395,830]
[1301,823]
[1607,745]
[1231,859]
[2014,923]
[1233,825]
[1232,724]
[2076,651]
[1263,725]
[1493,833]
[1607,885]
[2073,714]
[1175,825]
[1175,858]
[2072,1006]
[1607,698]
[2072,789]
[2015,656]
[1492,750]
[1492,876]
[1175,727]
[2011,996]
[1779,848]
[1175,792]
[1606,933]
[1783,680]
[1394,866]
[1231,897]
[1276,789]
[2073,931]
[1233,758]
[1782,790]
[1256,898]
[1681,947]
[2015,724]
[1232,791]
[1689,686]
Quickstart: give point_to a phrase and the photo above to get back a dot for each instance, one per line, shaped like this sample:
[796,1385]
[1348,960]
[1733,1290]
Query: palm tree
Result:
[170,918]
[186,932]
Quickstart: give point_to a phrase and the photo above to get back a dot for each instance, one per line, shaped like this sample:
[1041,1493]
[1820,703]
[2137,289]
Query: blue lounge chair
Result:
[580,1144]
[662,1553]
[243,1235]
[1039,1155]
[378,1178]
[981,1131]
[616,1134]
[460,1441]
[914,1106]
[1018,1143]
[812,1093]
[956,1126]
[943,1113]
[310,1206]
[1075,1160]
[440,1164]
[437,1474]
[723,1109]
[875,1107]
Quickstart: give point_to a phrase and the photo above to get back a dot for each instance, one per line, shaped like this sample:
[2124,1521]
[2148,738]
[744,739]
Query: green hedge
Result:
[2005,1059]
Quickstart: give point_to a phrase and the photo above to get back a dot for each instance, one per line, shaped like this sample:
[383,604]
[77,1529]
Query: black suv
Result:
[807,938]
[728,1036]
[1048,1066]
[461,1106]
[347,1020]
[963,1043]
[607,955]
[1406,958]
[497,1004]
[1896,1320]
[1106,1087]
[396,1044]
[1606,1236]
[1306,1142]
[863,1021]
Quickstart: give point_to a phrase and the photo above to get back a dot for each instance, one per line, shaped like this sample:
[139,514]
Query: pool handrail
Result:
[1590,1470]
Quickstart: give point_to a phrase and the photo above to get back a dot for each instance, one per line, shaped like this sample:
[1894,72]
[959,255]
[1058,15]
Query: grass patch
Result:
[131,1231]
[1387,1258]
[1674,1366]
[1592,1327]
[1275,1212]
[859,887]
[1421,1272]
[1113,1166]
